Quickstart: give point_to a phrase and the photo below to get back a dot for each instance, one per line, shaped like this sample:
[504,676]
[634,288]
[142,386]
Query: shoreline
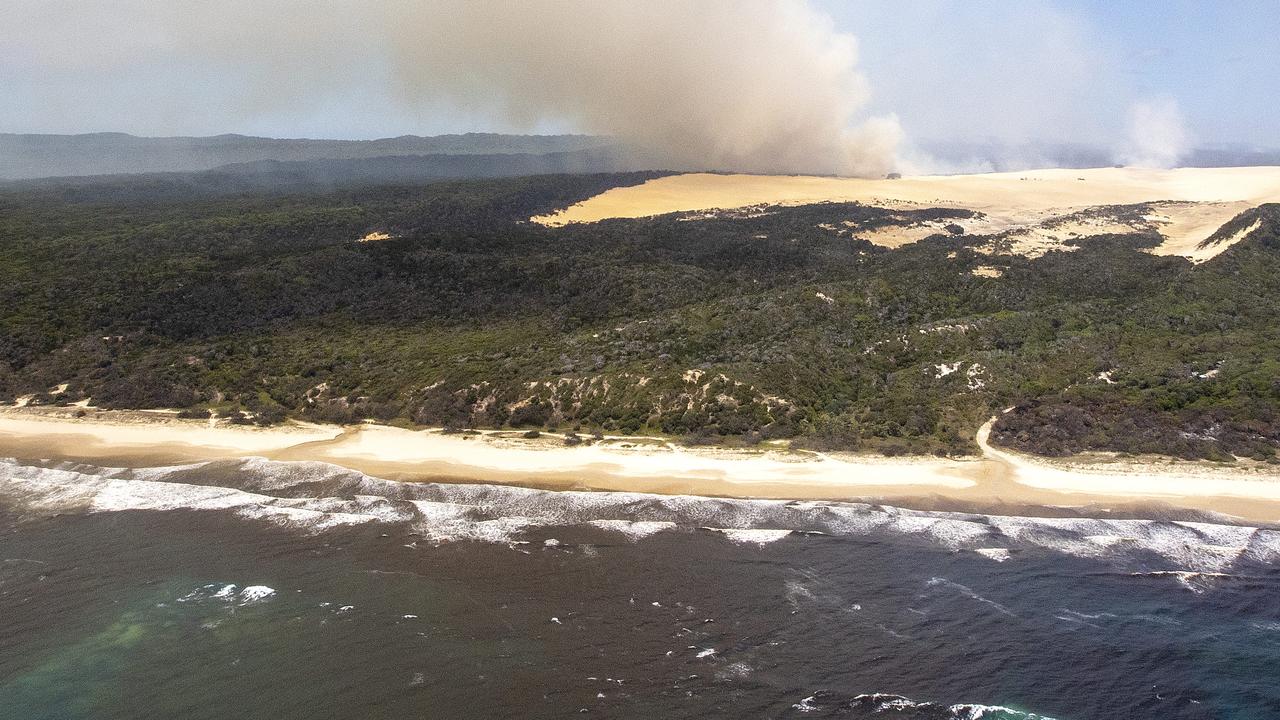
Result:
[1007,482]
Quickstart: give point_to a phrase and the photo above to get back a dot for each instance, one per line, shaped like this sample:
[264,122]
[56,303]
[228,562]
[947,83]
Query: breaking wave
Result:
[229,594]
[898,706]
[316,497]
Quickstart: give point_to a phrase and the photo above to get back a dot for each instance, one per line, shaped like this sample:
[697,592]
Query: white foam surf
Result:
[997,554]
[230,594]
[896,704]
[760,536]
[317,497]
[634,529]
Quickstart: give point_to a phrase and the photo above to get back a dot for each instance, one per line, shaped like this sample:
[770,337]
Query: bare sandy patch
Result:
[896,236]
[1185,226]
[1037,210]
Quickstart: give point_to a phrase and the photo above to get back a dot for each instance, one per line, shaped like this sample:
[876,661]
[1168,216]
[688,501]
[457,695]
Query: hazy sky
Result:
[948,69]
[1068,69]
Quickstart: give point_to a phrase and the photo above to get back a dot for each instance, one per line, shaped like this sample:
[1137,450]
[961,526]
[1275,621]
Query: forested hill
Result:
[294,176]
[35,156]
[775,324]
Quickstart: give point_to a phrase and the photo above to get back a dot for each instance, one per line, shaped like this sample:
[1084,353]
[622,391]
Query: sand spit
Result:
[1036,206]
[999,479]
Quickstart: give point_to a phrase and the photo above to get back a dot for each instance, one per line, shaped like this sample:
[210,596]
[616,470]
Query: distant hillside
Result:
[37,156]
[995,156]
[290,176]
[418,168]
[1231,157]
[24,157]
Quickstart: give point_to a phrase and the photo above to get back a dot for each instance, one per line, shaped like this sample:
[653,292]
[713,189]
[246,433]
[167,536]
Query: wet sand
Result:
[999,480]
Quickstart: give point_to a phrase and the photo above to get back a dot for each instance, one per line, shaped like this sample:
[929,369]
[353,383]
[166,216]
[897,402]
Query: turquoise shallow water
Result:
[215,613]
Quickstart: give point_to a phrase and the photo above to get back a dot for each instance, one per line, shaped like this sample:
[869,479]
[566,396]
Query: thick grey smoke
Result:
[750,85]
[756,85]
[767,85]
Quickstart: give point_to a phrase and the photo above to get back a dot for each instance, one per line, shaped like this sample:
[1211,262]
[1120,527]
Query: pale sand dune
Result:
[992,192]
[1030,203]
[1186,225]
[999,479]
[1183,225]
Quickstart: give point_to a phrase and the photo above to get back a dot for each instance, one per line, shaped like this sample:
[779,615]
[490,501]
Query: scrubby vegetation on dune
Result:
[740,328]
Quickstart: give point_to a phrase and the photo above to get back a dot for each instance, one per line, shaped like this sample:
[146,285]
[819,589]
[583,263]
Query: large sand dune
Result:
[1036,206]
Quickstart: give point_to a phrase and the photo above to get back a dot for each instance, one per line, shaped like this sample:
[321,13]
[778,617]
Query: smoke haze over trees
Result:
[761,85]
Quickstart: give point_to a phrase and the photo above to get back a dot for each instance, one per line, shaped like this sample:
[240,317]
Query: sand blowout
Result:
[1035,209]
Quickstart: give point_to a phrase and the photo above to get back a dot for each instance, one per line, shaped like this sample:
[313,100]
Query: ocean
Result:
[258,589]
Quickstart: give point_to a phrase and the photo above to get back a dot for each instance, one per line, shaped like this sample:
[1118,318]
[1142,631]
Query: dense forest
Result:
[778,324]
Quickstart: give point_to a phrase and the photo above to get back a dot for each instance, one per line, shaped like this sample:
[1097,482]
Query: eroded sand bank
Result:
[999,479]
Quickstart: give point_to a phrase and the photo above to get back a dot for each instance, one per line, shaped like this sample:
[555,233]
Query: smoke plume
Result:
[750,85]
[1157,135]
[755,85]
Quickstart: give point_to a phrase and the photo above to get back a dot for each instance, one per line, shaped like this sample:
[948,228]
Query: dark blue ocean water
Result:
[262,590]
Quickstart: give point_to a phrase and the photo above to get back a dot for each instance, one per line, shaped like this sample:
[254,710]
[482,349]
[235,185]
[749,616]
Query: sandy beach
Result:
[997,480]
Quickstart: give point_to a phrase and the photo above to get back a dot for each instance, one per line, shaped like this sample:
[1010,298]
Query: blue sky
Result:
[1071,64]
[948,69]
